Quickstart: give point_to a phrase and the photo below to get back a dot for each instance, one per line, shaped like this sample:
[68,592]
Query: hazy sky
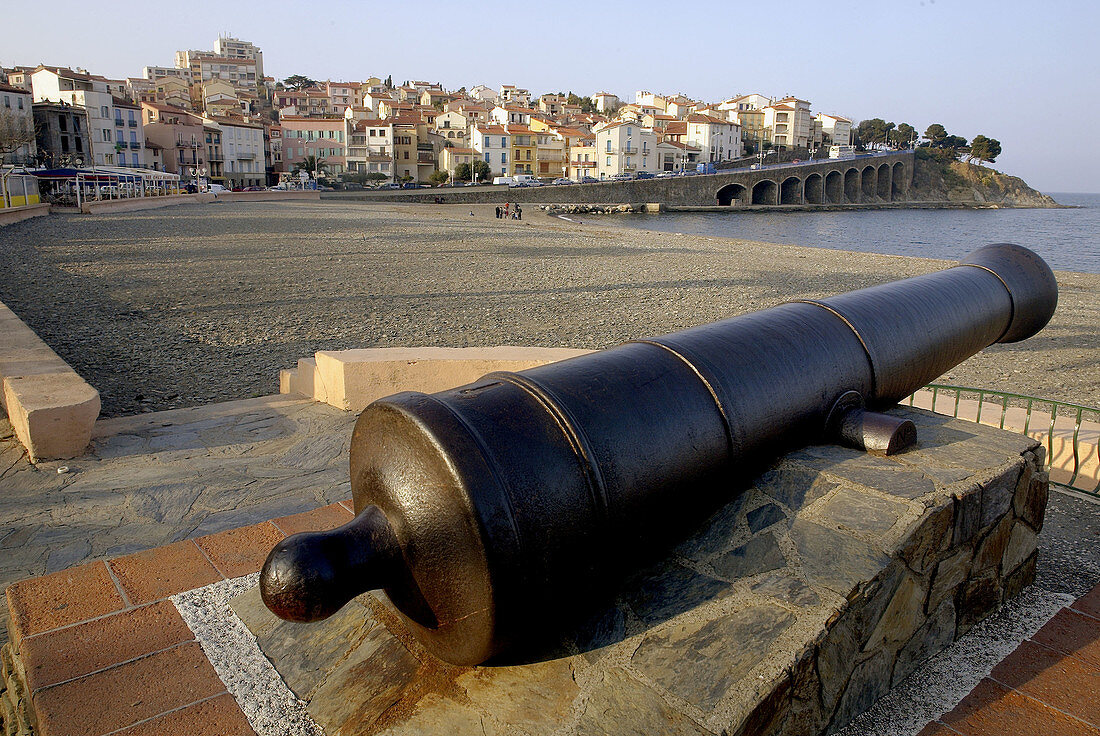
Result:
[1023,73]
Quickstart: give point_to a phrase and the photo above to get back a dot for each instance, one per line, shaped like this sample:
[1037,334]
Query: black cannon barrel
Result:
[480,507]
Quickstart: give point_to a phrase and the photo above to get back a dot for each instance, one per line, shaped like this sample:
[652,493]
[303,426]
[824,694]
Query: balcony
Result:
[628,150]
[133,123]
[628,167]
[135,145]
[425,158]
[119,122]
[246,156]
[214,157]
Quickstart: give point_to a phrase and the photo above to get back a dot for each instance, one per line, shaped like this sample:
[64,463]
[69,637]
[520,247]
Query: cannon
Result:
[480,508]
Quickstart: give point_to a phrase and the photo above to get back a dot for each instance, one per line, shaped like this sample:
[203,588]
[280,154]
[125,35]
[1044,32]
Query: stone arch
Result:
[834,188]
[815,194]
[790,191]
[882,185]
[899,183]
[867,183]
[731,195]
[851,186]
[765,191]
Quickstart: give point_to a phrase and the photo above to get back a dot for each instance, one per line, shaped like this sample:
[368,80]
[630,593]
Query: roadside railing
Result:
[1069,432]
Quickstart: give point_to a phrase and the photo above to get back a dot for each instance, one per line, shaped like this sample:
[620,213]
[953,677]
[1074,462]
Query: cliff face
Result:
[963,183]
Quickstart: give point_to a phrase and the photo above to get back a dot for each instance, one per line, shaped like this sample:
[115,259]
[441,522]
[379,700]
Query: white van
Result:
[504,180]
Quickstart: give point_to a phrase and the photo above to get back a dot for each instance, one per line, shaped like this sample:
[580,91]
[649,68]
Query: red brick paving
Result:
[105,650]
[158,573]
[62,598]
[75,651]
[240,551]
[1047,686]
[322,519]
[218,716]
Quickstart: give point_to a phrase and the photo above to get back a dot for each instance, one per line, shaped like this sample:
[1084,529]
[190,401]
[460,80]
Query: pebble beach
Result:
[196,304]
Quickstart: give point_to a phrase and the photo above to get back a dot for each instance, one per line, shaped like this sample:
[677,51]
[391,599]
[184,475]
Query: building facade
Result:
[61,132]
[17,135]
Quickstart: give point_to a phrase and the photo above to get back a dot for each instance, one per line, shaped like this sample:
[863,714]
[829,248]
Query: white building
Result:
[493,145]
[243,149]
[115,140]
[234,48]
[717,139]
[510,94]
[370,146]
[837,128]
[625,147]
[510,115]
[606,101]
[789,123]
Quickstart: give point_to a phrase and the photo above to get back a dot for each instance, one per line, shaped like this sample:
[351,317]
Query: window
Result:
[608,160]
[62,124]
[629,130]
[486,158]
[105,112]
[7,101]
[504,158]
[503,142]
[79,145]
[107,134]
[20,103]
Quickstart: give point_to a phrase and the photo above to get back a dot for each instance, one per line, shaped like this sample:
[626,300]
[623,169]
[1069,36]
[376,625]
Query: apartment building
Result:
[451,158]
[789,123]
[624,147]
[181,137]
[510,94]
[342,95]
[323,138]
[550,154]
[16,124]
[243,146]
[129,135]
[494,145]
[60,84]
[370,146]
[215,154]
[172,91]
[524,157]
[837,128]
[583,159]
[511,115]
[61,134]
[717,139]
[605,102]
[229,47]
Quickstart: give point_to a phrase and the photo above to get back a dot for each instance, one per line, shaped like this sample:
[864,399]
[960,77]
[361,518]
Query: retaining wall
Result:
[50,407]
[12,215]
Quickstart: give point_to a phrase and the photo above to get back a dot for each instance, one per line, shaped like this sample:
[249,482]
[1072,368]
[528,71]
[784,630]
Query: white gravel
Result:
[271,708]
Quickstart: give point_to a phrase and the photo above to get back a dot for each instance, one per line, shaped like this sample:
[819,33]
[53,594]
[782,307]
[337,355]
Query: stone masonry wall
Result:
[787,613]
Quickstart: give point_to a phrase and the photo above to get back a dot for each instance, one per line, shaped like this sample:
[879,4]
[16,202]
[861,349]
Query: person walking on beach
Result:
[519,212]
[498,211]
[505,210]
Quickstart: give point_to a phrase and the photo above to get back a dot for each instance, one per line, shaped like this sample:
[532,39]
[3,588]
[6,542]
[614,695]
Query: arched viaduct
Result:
[872,179]
[861,180]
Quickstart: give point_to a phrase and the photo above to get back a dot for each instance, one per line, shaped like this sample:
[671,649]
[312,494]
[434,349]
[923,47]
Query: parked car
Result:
[643,175]
[390,185]
[622,177]
[254,189]
[410,185]
[588,180]
[665,174]
[562,180]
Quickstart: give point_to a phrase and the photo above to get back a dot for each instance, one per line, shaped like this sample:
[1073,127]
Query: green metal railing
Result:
[1077,413]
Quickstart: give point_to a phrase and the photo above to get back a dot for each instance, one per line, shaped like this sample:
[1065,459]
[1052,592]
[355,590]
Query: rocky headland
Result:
[962,183]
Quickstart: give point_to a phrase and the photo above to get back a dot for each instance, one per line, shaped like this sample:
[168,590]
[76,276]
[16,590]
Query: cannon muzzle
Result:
[480,508]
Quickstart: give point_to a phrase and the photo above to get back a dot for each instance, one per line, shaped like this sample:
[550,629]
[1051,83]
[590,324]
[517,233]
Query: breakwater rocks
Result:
[591,209]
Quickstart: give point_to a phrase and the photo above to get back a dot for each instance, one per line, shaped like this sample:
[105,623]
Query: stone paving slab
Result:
[158,478]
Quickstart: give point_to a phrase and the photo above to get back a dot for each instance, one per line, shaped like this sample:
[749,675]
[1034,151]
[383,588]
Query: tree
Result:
[482,172]
[438,177]
[984,149]
[875,130]
[389,81]
[463,172]
[14,133]
[904,134]
[935,133]
[315,166]
[297,81]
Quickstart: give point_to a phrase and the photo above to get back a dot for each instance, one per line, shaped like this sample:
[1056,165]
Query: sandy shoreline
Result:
[188,305]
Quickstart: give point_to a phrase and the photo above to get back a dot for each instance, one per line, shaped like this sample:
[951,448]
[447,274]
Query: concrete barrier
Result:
[351,379]
[12,215]
[269,196]
[50,407]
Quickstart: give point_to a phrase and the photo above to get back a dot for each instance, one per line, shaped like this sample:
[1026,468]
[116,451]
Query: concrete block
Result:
[352,379]
[52,413]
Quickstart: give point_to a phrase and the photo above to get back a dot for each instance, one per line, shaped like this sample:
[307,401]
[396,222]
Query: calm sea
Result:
[1069,239]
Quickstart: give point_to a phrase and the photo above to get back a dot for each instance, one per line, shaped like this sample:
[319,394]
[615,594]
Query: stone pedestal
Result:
[790,611]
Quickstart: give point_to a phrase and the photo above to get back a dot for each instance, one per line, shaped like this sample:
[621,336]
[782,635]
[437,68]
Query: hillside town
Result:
[214,119]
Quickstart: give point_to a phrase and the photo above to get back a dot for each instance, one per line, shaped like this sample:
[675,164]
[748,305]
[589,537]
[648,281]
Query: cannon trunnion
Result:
[480,507]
